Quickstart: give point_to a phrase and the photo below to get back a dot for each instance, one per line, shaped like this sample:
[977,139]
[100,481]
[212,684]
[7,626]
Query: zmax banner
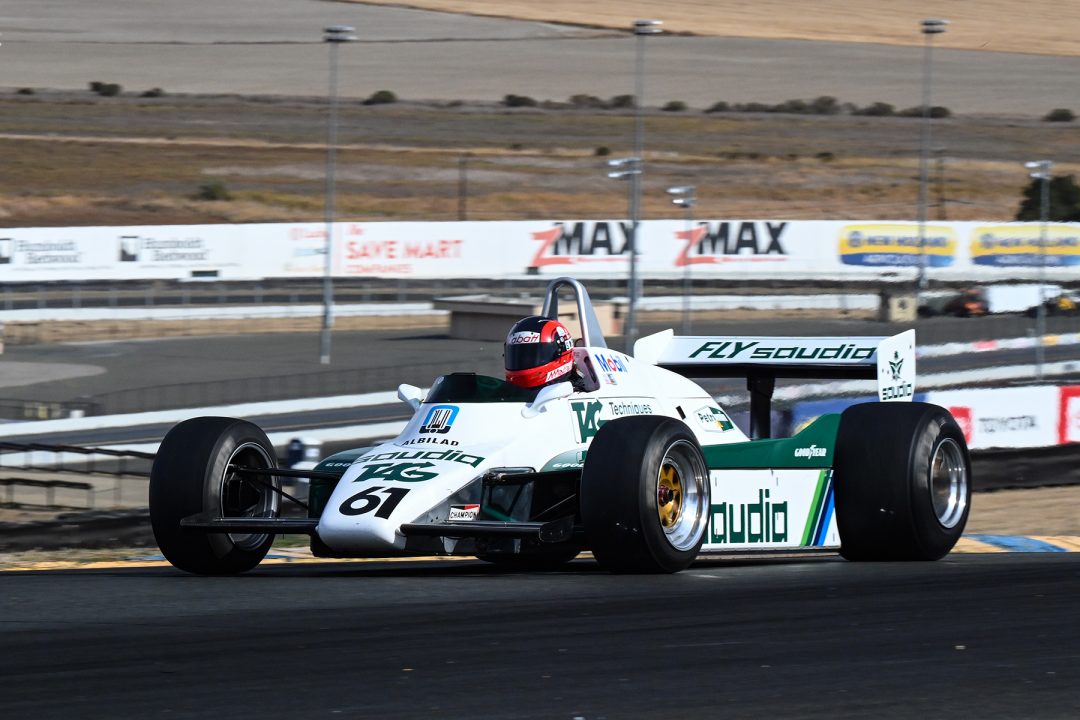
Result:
[718,248]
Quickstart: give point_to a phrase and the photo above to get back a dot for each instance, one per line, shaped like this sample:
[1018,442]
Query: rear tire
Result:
[645,495]
[192,475]
[903,482]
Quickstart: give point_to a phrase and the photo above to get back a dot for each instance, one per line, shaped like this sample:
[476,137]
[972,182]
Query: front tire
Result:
[903,482]
[645,495]
[193,474]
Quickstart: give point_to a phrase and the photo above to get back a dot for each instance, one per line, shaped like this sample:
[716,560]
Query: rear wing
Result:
[761,360]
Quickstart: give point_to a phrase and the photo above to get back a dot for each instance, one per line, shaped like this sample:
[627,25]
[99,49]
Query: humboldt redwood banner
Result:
[748,249]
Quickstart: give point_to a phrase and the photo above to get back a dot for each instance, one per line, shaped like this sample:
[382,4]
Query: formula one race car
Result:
[633,462]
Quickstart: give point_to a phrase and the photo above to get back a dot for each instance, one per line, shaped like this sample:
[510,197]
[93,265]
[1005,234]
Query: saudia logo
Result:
[897,244]
[568,244]
[903,389]
[444,455]
[732,242]
[754,350]
[896,365]
[757,522]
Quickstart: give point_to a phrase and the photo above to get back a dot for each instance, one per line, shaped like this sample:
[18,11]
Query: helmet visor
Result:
[530,355]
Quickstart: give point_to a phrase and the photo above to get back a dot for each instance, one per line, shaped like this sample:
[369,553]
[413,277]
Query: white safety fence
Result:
[866,250]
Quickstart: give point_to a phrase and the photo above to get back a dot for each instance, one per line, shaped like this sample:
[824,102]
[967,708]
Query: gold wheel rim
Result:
[669,496]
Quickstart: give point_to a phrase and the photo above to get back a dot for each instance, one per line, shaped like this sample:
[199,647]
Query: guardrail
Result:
[75,459]
[50,487]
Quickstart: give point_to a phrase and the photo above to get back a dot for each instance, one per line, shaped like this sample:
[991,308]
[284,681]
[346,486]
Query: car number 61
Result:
[368,499]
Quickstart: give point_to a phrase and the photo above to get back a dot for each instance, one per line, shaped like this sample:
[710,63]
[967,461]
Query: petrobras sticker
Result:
[463,512]
[713,419]
[523,338]
[1022,246]
[897,244]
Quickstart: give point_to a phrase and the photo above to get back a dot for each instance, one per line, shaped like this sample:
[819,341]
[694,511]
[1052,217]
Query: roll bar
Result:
[590,326]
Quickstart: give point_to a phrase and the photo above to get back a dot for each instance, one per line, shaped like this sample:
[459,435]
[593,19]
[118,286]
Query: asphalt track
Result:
[274,47]
[988,636]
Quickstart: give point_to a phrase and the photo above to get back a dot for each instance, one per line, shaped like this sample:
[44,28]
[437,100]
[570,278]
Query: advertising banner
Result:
[1069,416]
[1004,417]
[889,251]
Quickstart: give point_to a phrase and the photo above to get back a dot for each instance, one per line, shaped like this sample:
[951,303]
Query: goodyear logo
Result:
[896,244]
[1021,245]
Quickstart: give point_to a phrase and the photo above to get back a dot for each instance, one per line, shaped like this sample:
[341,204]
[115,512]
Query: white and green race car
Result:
[633,462]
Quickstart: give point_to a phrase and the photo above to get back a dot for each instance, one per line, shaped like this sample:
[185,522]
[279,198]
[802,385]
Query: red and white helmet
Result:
[538,351]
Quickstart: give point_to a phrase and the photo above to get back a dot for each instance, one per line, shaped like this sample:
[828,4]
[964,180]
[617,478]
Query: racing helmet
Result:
[538,351]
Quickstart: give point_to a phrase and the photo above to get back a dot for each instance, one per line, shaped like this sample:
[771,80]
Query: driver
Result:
[539,351]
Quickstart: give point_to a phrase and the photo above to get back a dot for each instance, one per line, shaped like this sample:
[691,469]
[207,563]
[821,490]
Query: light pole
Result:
[628,168]
[929,29]
[334,35]
[642,28]
[463,186]
[1041,172]
[686,198]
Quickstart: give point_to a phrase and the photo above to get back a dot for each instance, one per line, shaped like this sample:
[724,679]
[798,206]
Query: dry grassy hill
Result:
[1038,26]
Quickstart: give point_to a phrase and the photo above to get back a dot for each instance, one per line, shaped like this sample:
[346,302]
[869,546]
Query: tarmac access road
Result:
[274,47]
[988,636]
[299,421]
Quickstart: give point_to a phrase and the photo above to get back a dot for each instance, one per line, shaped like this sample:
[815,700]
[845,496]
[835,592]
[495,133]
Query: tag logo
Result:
[588,418]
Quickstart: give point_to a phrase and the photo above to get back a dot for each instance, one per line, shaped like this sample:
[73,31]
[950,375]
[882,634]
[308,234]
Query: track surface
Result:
[984,636]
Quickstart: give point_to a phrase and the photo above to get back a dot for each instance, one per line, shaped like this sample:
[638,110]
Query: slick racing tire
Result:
[644,495]
[193,475]
[903,482]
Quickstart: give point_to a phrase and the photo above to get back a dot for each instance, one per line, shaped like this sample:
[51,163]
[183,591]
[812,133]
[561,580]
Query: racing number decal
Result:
[367,500]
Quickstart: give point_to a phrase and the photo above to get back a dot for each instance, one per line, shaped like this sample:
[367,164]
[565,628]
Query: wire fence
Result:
[234,391]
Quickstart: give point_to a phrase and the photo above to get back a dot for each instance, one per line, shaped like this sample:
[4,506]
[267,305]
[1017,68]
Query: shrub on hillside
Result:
[936,111]
[512,100]
[674,106]
[719,106]
[791,107]
[878,109]
[1060,115]
[213,190]
[587,102]
[25,91]
[106,89]
[381,97]
[153,92]
[824,105]
[621,102]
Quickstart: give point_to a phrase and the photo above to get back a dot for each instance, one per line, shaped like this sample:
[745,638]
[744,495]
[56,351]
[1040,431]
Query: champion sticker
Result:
[464,512]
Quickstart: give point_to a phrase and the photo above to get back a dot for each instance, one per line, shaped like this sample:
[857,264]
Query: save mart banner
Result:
[730,249]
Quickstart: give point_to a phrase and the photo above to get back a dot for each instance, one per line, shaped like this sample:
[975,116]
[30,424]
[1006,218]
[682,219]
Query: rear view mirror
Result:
[545,396]
[410,395]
